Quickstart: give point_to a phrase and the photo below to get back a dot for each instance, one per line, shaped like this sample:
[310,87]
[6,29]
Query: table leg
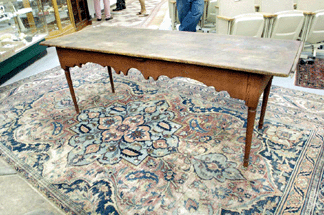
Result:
[69,80]
[249,134]
[265,102]
[111,79]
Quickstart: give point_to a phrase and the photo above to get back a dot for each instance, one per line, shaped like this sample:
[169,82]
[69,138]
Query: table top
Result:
[247,54]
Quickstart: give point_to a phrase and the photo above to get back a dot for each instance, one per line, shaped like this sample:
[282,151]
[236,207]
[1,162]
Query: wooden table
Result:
[242,66]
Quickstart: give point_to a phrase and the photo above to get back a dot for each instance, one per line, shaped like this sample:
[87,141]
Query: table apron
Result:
[246,86]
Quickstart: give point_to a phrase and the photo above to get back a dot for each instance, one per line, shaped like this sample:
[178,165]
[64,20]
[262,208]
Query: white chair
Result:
[228,9]
[248,25]
[308,7]
[268,8]
[245,25]
[204,16]
[287,25]
[212,11]
[315,35]
[173,13]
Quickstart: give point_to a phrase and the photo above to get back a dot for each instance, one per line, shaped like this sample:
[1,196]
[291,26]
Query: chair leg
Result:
[314,48]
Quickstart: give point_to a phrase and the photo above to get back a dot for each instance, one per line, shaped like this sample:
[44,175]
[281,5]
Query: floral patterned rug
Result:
[311,75]
[166,146]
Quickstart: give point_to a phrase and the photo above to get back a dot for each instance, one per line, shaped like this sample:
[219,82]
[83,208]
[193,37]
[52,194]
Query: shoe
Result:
[143,14]
[107,19]
[117,9]
[98,20]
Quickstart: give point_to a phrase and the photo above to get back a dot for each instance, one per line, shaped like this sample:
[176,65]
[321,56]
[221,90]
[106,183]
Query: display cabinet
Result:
[65,16]
[21,30]
[25,23]
[81,13]
[59,17]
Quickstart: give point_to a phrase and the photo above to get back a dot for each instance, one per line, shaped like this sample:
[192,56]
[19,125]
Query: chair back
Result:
[212,11]
[248,25]
[316,29]
[231,8]
[287,25]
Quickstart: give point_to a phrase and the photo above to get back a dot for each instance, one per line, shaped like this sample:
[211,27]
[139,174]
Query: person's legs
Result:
[107,8]
[97,8]
[191,19]
[183,7]
[122,4]
[143,8]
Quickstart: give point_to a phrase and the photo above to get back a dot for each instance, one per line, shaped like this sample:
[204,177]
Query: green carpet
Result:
[170,146]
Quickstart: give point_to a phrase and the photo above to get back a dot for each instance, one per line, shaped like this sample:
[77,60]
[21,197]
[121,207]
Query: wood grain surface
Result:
[246,54]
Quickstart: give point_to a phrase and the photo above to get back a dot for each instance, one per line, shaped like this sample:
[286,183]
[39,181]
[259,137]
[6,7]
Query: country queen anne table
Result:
[242,66]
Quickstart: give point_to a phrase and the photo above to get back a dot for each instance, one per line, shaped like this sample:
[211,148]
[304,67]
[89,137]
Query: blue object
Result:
[189,14]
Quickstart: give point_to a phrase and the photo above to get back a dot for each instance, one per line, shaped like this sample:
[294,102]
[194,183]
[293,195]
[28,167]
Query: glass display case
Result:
[20,26]
[21,31]
[25,23]
[65,16]
[59,17]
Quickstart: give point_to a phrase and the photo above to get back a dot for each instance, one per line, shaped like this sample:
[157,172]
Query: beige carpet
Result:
[128,18]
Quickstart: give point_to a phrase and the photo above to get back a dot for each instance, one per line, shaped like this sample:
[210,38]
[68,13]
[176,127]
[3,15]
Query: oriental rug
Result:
[311,75]
[166,146]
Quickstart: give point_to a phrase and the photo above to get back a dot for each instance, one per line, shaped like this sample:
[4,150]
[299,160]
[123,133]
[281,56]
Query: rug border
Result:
[38,75]
[43,187]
